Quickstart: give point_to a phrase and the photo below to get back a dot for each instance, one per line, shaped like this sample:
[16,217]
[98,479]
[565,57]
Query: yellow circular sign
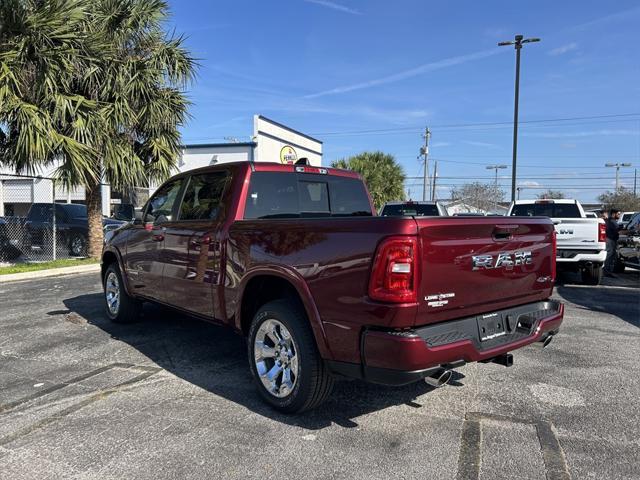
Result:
[288,155]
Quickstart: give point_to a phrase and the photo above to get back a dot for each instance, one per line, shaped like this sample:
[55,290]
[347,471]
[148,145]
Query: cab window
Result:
[160,207]
[203,196]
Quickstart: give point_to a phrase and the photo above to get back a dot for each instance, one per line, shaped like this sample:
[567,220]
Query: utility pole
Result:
[517,43]
[435,176]
[617,167]
[635,180]
[424,151]
[496,168]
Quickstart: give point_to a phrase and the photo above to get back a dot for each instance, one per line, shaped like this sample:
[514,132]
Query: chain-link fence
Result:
[33,226]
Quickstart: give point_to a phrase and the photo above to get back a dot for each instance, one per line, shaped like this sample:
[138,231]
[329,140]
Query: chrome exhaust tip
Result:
[547,341]
[439,378]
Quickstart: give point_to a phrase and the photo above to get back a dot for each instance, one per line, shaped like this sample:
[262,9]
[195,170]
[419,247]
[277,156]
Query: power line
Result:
[479,124]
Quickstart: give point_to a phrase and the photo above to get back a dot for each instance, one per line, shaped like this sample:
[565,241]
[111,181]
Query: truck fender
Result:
[300,286]
[125,277]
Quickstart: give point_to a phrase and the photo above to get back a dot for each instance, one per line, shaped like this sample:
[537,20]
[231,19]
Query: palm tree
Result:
[94,87]
[382,174]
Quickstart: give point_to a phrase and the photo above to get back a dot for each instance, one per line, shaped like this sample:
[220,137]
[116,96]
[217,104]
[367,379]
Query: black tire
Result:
[314,382]
[592,274]
[78,245]
[128,309]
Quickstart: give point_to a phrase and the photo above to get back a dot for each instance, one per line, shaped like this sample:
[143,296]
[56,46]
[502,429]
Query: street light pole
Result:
[496,168]
[617,167]
[517,43]
[424,151]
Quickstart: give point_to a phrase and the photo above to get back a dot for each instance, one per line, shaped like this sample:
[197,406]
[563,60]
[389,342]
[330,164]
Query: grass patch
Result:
[31,267]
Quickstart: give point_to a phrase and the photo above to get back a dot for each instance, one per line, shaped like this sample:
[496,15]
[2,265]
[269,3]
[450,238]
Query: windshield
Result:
[75,210]
[552,210]
[410,210]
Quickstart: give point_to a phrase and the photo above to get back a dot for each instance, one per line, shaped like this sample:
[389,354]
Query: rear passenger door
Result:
[192,248]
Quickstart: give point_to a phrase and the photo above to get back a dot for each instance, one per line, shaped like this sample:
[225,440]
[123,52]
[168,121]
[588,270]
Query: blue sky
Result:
[334,69]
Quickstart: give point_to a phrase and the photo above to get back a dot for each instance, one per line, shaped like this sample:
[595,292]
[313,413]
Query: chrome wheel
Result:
[112,293]
[276,358]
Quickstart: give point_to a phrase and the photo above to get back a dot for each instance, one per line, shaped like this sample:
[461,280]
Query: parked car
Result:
[71,226]
[581,240]
[629,245]
[413,209]
[625,218]
[294,258]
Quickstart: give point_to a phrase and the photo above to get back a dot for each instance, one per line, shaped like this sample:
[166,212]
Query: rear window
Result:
[626,217]
[410,209]
[293,195]
[552,210]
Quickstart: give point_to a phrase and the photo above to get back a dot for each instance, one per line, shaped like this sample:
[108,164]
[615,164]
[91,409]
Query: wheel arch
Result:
[261,286]
[112,255]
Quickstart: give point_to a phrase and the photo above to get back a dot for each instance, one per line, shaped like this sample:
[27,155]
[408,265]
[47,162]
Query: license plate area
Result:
[490,326]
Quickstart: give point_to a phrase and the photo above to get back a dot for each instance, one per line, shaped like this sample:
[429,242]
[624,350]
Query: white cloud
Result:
[529,183]
[563,49]
[335,6]
[421,69]
[481,144]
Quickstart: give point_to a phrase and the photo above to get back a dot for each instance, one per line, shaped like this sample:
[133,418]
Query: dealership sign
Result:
[288,155]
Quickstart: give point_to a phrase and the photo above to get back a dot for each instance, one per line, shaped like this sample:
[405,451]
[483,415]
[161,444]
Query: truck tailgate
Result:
[577,233]
[475,265]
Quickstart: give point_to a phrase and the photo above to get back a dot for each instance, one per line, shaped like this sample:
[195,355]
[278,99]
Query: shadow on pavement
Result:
[215,359]
[623,303]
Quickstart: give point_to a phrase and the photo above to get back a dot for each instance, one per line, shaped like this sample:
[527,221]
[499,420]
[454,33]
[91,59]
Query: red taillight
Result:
[554,252]
[394,277]
[602,232]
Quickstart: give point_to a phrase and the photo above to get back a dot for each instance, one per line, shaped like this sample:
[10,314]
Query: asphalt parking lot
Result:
[171,397]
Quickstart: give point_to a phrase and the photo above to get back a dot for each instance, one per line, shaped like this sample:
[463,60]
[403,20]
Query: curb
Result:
[51,272]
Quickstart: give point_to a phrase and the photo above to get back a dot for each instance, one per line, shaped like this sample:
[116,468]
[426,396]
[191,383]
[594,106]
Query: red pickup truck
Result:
[294,258]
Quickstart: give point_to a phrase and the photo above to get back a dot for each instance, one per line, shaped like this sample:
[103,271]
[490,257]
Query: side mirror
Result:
[138,218]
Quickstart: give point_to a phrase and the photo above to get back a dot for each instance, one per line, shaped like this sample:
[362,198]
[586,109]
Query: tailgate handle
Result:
[504,232]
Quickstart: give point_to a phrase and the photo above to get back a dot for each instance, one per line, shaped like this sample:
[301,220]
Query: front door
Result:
[144,247]
[191,246]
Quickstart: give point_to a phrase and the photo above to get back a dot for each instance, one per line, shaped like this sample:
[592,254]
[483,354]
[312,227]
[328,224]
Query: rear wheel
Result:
[592,274]
[284,359]
[119,306]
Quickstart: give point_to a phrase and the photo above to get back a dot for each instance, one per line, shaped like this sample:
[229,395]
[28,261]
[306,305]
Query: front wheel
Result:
[592,274]
[119,306]
[78,245]
[284,359]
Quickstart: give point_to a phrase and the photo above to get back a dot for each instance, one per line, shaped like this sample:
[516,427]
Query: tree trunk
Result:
[94,216]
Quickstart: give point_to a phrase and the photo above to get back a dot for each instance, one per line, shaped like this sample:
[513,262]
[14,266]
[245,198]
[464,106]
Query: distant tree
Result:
[557,194]
[623,199]
[94,87]
[480,195]
[380,171]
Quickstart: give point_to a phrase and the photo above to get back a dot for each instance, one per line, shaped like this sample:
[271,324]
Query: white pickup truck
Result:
[581,240]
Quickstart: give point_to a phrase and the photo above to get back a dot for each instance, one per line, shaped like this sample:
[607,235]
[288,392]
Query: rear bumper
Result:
[577,256]
[402,357]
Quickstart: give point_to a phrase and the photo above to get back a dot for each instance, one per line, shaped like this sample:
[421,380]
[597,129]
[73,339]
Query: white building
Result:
[271,142]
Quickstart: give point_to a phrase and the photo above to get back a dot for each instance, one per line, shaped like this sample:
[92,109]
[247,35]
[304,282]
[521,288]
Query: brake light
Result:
[602,232]
[554,252]
[394,277]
